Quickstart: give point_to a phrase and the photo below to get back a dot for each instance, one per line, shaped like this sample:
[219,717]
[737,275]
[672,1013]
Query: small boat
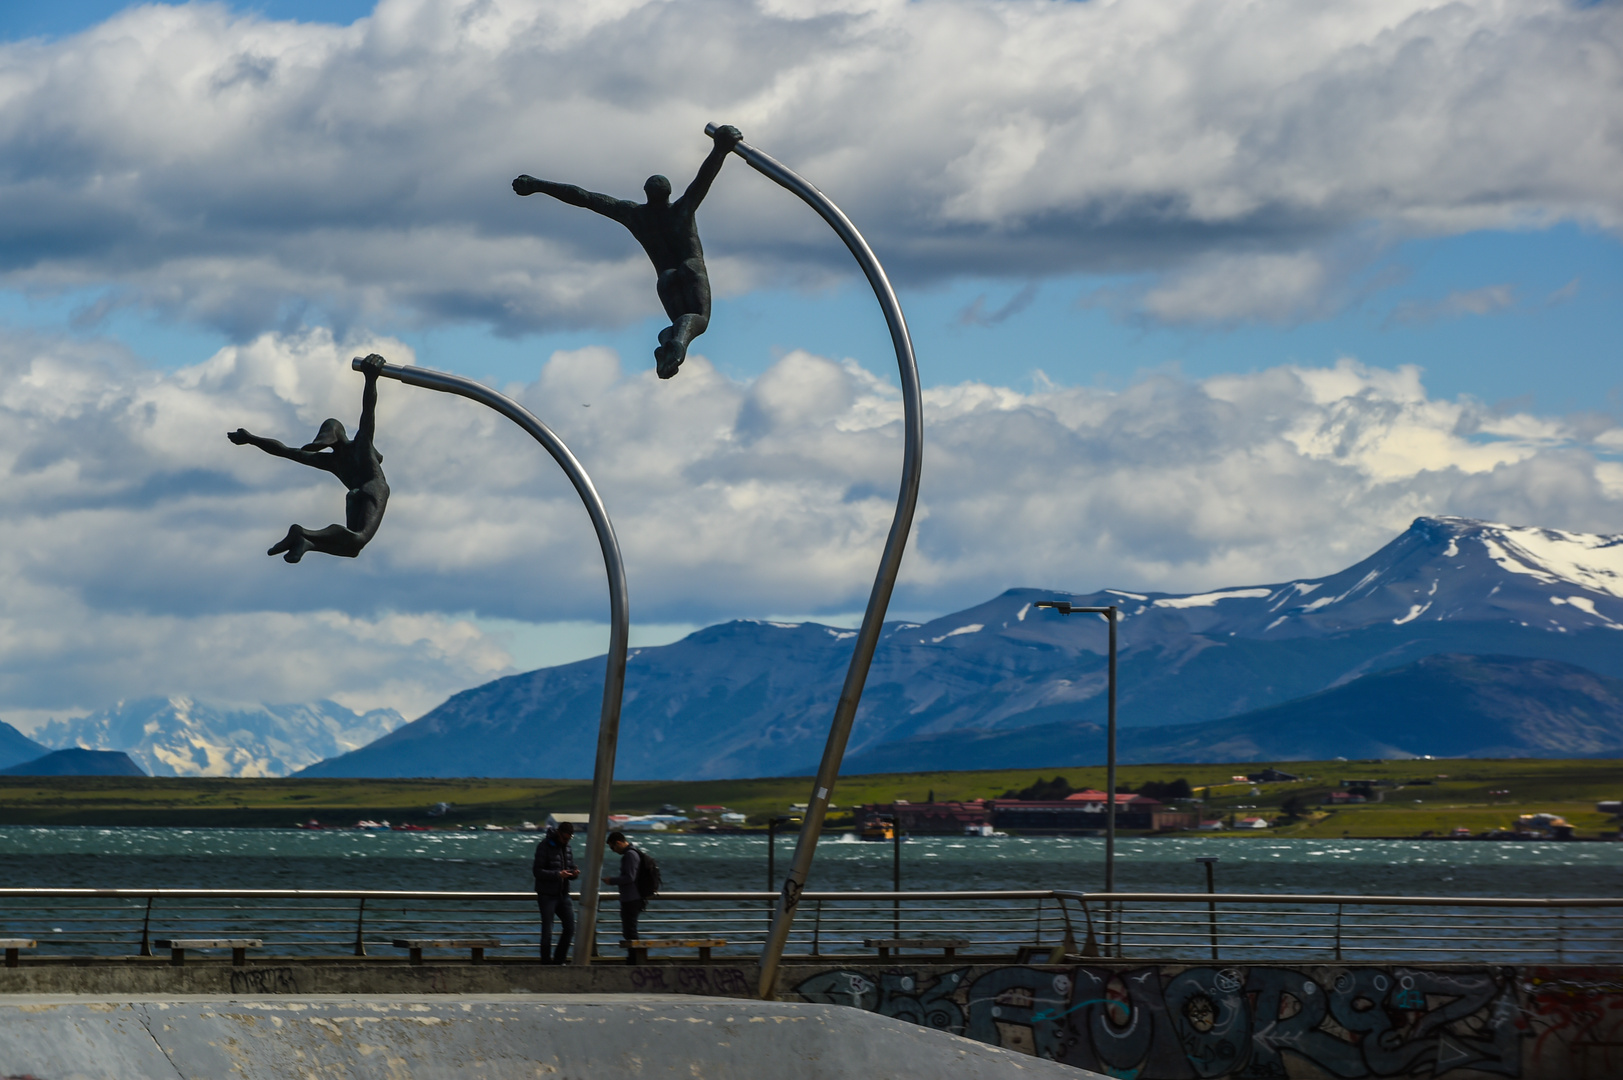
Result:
[311,824]
[367,825]
[879,830]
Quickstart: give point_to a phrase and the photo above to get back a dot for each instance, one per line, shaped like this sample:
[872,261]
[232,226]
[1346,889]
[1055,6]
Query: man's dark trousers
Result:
[565,910]
[629,910]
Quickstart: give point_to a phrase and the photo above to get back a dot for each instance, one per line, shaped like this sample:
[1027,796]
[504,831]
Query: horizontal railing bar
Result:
[1299,898]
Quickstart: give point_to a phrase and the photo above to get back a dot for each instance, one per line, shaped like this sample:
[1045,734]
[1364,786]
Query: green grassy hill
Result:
[1433,795]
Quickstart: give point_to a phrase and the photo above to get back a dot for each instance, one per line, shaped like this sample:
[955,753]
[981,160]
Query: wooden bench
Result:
[475,946]
[1039,954]
[637,948]
[11,945]
[239,947]
[948,946]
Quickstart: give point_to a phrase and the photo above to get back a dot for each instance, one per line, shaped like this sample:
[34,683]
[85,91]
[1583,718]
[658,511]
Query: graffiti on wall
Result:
[1192,1023]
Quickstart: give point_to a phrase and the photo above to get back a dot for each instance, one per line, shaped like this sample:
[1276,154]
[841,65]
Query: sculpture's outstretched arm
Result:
[313,458]
[598,203]
[726,138]
[369,400]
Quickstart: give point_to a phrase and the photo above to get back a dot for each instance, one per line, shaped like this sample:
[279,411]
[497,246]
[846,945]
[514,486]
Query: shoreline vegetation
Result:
[1409,798]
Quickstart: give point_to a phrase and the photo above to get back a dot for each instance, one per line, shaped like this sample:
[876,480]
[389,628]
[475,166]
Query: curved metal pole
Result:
[845,713]
[614,680]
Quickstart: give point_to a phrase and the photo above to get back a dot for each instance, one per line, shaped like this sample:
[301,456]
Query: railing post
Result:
[1338,931]
[146,926]
[1561,935]
[817,927]
[1039,920]
[1211,922]
[360,923]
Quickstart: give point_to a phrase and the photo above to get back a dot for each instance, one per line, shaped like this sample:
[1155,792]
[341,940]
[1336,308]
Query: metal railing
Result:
[990,923]
[1265,926]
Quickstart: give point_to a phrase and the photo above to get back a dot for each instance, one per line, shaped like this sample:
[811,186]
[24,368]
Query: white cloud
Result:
[242,172]
[1459,303]
[132,534]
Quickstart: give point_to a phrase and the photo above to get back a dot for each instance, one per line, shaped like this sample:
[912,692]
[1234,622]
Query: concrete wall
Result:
[1153,1022]
[607,1037]
[1172,1022]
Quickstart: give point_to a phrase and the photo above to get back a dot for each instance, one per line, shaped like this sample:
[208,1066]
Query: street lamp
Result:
[1065,607]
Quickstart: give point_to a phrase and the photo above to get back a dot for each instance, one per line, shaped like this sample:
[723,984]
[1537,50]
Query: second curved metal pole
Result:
[614,680]
[845,713]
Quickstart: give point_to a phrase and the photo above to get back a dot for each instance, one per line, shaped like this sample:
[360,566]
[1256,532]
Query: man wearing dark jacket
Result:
[554,869]
[631,901]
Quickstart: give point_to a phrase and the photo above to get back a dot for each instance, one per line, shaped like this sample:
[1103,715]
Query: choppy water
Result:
[276,858]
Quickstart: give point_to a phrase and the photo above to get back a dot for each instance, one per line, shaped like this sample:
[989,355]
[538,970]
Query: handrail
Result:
[382,894]
[937,894]
[1326,898]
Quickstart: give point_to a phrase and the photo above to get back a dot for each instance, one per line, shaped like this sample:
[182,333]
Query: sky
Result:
[1203,295]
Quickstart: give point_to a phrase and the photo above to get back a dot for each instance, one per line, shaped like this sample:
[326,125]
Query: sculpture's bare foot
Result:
[669,356]
[292,546]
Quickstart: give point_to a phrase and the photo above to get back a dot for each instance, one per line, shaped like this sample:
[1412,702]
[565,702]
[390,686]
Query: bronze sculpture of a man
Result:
[356,462]
[668,233]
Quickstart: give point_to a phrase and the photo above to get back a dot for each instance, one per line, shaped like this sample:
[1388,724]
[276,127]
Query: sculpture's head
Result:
[331,434]
[658,189]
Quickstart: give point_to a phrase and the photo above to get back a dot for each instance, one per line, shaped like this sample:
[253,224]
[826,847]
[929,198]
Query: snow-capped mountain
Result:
[1441,569]
[181,737]
[751,698]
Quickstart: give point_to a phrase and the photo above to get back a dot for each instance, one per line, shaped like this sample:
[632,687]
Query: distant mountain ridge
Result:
[16,748]
[77,762]
[179,736]
[1443,705]
[753,698]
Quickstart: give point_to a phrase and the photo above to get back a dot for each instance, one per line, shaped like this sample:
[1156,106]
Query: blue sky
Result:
[1165,267]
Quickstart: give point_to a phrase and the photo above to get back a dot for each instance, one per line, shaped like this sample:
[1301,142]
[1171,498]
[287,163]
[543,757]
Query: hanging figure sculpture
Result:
[668,233]
[357,463]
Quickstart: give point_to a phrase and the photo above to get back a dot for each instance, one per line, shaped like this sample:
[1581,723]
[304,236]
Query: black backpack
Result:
[647,875]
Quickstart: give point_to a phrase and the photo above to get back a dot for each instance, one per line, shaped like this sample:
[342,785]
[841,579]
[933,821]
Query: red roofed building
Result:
[927,819]
[1083,811]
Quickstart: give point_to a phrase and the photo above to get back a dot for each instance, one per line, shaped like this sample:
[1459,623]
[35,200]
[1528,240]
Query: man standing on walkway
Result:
[554,869]
[631,901]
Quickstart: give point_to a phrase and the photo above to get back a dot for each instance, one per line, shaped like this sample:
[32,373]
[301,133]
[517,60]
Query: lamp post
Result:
[845,712]
[1065,607]
[614,678]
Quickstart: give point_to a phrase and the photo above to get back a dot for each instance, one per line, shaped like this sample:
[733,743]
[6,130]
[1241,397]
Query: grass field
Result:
[1434,795]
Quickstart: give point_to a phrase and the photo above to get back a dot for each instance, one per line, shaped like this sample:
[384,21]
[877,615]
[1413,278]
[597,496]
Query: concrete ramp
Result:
[485,1037]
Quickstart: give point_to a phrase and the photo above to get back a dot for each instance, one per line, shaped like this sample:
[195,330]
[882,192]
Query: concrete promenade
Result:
[488,1037]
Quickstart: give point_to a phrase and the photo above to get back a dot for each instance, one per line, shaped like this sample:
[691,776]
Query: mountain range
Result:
[178,736]
[1205,673]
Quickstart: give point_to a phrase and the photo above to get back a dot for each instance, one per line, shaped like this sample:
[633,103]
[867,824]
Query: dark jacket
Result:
[626,880]
[552,857]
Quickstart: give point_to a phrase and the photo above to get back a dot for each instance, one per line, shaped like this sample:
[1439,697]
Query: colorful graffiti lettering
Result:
[1251,1023]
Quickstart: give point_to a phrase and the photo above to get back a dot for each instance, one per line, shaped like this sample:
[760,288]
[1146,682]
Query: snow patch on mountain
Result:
[1208,599]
